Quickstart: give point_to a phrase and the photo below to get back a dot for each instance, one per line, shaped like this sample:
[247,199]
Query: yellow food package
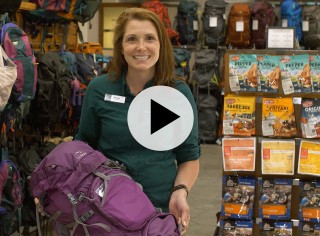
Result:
[278,117]
[277,157]
[309,153]
[239,115]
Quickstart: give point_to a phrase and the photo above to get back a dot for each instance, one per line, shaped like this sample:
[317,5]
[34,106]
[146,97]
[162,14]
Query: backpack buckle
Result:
[86,215]
[72,199]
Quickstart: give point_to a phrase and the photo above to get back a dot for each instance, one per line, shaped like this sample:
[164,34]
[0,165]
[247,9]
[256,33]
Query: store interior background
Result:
[205,197]
[92,31]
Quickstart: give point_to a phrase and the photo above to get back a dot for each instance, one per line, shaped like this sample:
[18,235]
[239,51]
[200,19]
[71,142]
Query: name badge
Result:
[114,98]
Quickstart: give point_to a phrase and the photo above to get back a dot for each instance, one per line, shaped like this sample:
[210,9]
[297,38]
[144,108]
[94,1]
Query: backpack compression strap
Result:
[83,218]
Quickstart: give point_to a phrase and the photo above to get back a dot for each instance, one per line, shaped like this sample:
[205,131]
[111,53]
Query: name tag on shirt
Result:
[114,98]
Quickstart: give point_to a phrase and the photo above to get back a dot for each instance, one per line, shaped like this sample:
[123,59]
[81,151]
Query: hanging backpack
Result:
[213,23]
[291,12]
[77,88]
[11,197]
[207,117]
[16,44]
[205,66]
[239,26]
[91,195]
[52,99]
[82,10]
[311,33]
[187,22]
[87,67]
[262,16]
[161,10]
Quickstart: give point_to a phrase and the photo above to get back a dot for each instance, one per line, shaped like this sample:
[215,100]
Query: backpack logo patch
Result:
[79,154]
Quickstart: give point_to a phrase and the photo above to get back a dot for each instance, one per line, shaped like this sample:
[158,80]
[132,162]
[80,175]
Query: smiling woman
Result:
[142,58]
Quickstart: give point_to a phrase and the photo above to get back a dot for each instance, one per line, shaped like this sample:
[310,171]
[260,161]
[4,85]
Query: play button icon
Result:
[160,118]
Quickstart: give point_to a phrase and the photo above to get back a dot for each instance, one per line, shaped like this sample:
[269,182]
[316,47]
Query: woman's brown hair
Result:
[164,68]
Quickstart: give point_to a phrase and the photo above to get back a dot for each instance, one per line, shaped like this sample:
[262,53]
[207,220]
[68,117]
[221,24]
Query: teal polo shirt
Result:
[104,126]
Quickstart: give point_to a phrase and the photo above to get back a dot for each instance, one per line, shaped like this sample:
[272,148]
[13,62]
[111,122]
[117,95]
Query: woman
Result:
[142,57]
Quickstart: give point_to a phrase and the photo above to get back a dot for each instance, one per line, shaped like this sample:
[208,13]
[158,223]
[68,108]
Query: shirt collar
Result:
[125,88]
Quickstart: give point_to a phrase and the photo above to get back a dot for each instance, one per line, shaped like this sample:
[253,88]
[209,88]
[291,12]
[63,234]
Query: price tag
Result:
[310,129]
[284,23]
[267,128]
[297,100]
[255,24]
[287,86]
[213,21]
[234,83]
[195,25]
[305,25]
[239,26]
[228,127]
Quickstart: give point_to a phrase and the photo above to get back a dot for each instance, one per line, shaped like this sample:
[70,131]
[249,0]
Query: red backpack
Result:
[263,13]
[161,10]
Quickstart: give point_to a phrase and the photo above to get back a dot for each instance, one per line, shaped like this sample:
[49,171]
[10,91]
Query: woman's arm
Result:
[178,205]
[187,173]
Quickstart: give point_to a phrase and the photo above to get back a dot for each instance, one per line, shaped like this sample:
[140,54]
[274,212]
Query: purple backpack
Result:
[91,195]
[17,46]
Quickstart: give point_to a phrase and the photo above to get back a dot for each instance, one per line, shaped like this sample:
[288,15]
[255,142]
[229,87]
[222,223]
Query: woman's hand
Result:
[179,207]
[39,206]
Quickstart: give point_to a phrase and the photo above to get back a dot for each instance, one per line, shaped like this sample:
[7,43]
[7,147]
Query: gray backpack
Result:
[207,117]
[205,66]
[311,38]
[213,22]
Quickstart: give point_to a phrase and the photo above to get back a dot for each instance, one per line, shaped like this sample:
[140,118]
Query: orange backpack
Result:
[239,26]
[161,10]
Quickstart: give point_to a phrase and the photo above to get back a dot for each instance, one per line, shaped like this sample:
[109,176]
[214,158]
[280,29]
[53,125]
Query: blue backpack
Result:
[292,12]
